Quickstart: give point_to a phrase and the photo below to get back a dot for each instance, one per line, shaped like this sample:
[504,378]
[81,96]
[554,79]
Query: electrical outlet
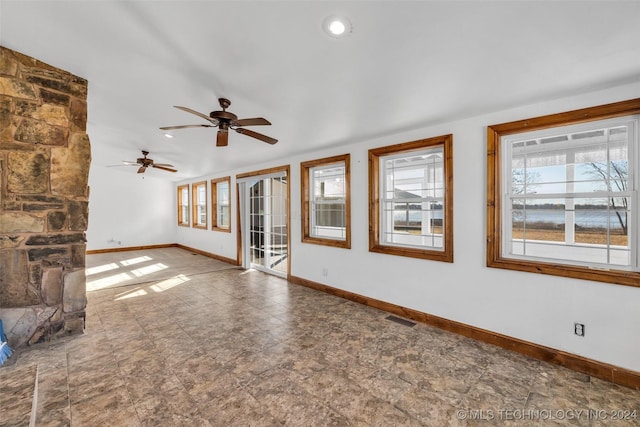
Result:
[578,329]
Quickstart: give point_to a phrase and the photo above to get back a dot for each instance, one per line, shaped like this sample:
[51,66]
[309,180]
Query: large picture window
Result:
[326,204]
[183,205]
[411,203]
[199,190]
[220,204]
[565,193]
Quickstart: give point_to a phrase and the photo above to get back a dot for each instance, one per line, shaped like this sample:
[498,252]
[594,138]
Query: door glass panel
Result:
[268,225]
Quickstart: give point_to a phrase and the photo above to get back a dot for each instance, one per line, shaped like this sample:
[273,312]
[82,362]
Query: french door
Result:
[264,217]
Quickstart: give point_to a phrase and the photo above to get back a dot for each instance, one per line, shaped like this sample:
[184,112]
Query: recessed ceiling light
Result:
[337,26]
[168,135]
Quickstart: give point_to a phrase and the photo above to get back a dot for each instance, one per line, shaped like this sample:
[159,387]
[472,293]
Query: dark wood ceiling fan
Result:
[225,120]
[144,162]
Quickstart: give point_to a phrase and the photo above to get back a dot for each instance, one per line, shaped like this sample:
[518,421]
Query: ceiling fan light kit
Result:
[225,120]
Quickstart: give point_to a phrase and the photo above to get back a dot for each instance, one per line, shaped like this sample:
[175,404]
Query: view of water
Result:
[584,218]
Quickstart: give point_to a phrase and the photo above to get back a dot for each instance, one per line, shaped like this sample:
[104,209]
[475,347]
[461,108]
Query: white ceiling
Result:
[406,64]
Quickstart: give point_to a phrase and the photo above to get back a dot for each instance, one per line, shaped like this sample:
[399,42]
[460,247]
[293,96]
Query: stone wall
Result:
[44,168]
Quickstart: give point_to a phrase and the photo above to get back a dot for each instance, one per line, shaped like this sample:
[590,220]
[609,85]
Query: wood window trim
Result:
[194,205]
[181,220]
[306,214]
[214,204]
[494,179]
[374,199]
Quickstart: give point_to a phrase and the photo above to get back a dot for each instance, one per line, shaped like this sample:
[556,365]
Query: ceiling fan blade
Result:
[257,121]
[164,168]
[142,169]
[186,126]
[222,140]
[204,116]
[164,165]
[129,163]
[257,135]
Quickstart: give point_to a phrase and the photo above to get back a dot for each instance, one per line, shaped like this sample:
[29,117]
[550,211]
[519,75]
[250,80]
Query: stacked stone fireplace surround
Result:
[44,166]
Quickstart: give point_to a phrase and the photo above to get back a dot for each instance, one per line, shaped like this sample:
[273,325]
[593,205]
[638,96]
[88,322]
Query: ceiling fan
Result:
[224,120]
[144,162]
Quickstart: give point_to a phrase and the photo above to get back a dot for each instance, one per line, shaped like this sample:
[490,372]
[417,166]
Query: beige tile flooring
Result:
[232,347]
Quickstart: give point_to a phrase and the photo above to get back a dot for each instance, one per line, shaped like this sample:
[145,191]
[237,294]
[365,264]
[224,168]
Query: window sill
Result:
[345,244]
[442,256]
[223,230]
[598,274]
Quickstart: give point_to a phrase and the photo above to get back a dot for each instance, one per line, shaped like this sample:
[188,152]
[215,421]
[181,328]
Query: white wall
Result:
[132,209]
[534,307]
[213,241]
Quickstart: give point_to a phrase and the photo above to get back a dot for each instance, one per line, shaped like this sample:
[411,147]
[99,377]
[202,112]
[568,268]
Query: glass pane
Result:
[544,220]
[601,221]
[545,180]
[329,215]
[328,182]
[517,218]
[222,192]
[407,217]
[185,214]
[518,180]
[223,216]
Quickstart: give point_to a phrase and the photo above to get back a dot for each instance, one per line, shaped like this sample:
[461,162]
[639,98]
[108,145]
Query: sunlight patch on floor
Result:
[131,294]
[107,281]
[101,268]
[137,260]
[169,283]
[143,271]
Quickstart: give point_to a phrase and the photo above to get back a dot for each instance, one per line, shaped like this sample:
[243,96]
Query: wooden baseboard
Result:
[208,254]
[571,361]
[131,248]
[166,245]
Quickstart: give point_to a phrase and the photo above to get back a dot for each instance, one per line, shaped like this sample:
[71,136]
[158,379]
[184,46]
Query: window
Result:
[562,194]
[326,201]
[199,190]
[220,205]
[183,205]
[411,199]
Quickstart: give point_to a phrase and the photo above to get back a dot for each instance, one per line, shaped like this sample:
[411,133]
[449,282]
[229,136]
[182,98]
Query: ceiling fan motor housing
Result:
[223,116]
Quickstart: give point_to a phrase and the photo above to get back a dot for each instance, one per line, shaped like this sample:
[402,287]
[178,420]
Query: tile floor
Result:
[232,347]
